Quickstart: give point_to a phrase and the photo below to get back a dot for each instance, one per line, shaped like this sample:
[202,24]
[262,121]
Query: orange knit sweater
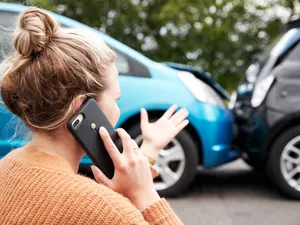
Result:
[39,188]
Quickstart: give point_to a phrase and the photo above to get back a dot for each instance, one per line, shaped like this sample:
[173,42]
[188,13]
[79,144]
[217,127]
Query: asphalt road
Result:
[234,195]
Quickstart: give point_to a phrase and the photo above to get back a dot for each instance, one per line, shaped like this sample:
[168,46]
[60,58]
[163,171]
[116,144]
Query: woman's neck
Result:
[62,145]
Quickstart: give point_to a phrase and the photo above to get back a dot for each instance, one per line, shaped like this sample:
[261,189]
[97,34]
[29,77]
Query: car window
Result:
[7,21]
[295,53]
[122,63]
[128,66]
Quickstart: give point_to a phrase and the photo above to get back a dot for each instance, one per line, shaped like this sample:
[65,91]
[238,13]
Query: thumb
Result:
[144,117]
[100,177]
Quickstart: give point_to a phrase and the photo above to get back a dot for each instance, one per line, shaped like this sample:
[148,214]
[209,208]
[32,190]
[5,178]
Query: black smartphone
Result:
[84,126]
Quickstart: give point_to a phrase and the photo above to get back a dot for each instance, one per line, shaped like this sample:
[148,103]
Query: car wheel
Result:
[176,163]
[283,162]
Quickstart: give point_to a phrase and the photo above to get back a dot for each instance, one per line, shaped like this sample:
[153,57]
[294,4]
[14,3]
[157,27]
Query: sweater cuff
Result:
[160,212]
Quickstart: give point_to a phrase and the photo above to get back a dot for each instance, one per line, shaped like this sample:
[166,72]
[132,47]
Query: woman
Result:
[52,71]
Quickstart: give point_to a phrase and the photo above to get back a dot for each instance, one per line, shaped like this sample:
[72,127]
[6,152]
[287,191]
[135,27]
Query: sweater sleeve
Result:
[161,213]
[109,207]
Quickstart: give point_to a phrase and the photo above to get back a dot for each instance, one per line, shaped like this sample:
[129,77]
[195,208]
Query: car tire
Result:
[191,162]
[277,164]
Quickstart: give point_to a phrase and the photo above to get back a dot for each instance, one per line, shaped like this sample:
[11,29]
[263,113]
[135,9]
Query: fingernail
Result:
[92,168]
[102,129]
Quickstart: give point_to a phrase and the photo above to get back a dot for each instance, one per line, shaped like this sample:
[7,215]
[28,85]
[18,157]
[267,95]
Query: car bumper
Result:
[215,127]
[254,127]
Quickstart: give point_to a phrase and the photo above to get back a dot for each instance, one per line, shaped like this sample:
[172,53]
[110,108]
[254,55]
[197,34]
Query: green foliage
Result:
[221,36]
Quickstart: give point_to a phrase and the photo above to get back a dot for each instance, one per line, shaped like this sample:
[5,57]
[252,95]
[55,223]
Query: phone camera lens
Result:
[76,123]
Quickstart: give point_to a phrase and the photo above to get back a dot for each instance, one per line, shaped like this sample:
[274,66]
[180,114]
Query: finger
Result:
[179,116]
[181,126]
[110,146]
[144,117]
[135,147]
[134,144]
[126,142]
[100,177]
[170,112]
[137,151]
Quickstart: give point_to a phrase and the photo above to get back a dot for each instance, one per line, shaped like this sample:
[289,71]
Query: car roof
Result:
[17,8]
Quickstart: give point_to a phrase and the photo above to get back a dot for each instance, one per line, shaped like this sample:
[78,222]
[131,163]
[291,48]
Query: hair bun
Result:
[34,30]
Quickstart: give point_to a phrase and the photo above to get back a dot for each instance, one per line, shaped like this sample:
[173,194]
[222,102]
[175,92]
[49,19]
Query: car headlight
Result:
[261,89]
[201,91]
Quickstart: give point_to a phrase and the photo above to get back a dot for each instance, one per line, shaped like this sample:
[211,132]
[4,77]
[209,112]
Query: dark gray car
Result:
[267,113]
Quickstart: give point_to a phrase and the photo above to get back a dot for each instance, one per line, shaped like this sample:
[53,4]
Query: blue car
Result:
[154,86]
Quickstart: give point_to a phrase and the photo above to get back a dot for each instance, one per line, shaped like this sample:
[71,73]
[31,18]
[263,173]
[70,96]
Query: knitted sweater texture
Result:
[39,188]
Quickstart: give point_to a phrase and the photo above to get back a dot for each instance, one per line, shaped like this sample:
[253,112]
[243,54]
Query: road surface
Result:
[233,195]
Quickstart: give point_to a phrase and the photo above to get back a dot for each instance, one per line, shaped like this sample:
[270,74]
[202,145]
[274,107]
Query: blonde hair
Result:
[50,67]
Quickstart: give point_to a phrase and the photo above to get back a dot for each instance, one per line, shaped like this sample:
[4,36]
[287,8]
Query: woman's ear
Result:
[77,102]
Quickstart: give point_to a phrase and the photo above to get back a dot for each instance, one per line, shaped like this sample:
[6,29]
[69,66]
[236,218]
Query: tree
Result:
[221,36]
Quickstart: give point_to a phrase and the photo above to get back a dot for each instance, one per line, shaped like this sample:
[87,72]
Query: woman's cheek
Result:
[116,114]
[111,111]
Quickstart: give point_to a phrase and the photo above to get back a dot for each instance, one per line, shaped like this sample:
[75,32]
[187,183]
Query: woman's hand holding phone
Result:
[158,134]
[132,177]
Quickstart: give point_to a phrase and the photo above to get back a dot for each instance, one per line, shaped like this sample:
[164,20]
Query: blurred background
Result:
[252,49]
[222,36]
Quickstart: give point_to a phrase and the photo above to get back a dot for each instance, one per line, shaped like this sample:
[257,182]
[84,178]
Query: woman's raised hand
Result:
[158,134]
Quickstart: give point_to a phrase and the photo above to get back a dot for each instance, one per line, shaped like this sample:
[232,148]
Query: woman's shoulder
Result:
[98,201]
[86,185]
[94,202]
[58,176]
[65,194]
[88,189]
